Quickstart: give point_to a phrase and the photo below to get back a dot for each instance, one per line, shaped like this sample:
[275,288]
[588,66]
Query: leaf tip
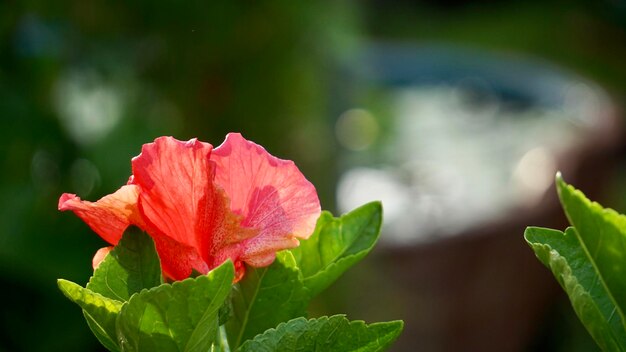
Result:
[562,187]
[62,284]
[395,328]
[229,263]
[532,232]
[377,204]
[68,288]
[399,325]
[227,267]
[528,232]
[560,182]
[559,176]
[375,208]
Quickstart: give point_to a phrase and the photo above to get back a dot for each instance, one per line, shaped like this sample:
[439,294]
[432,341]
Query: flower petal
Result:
[174,177]
[177,260]
[186,214]
[99,256]
[108,217]
[271,194]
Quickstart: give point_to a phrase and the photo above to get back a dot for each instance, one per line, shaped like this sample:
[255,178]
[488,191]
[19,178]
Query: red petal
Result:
[271,194]
[108,217]
[177,259]
[188,217]
[174,177]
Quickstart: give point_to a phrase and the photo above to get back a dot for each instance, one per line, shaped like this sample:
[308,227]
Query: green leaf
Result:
[130,267]
[337,244]
[266,297]
[106,338]
[99,311]
[602,234]
[575,271]
[334,334]
[182,316]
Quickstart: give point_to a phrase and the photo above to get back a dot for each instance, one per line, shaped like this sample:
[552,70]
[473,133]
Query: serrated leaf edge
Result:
[171,286]
[563,186]
[328,318]
[565,270]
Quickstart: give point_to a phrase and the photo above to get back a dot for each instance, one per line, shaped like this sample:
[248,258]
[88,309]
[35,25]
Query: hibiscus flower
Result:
[202,206]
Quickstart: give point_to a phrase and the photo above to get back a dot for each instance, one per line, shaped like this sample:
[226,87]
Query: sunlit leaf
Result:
[100,312]
[328,334]
[337,244]
[182,316]
[131,266]
[602,234]
[575,271]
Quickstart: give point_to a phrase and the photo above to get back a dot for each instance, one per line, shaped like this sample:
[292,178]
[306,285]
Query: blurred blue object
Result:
[462,137]
[527,81]
[462,145]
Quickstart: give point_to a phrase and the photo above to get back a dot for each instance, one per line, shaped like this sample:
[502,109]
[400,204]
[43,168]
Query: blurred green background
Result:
[83,84]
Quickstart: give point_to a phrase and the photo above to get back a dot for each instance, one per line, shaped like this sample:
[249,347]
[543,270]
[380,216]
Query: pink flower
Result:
[203,206]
